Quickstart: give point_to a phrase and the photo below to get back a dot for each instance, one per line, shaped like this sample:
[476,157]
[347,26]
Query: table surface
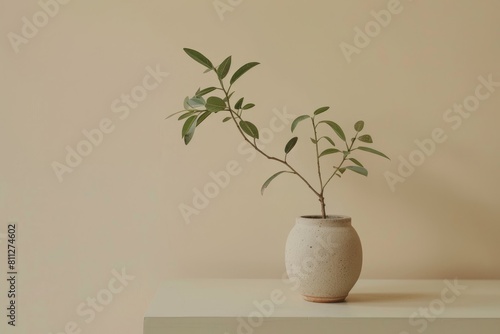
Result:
[373,306]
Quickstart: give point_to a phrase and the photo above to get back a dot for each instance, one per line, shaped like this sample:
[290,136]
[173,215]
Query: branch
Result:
[349,149]
[254,144]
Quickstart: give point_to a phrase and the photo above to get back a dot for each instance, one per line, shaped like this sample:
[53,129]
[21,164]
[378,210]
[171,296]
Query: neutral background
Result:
[119,208]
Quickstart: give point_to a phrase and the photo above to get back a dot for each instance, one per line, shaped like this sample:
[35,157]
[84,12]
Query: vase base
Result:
[315,299]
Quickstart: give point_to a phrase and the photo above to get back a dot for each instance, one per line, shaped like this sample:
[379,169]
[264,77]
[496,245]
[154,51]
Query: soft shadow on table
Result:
[387,297]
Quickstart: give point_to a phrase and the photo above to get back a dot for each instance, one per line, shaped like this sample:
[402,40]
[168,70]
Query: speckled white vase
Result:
[324,256]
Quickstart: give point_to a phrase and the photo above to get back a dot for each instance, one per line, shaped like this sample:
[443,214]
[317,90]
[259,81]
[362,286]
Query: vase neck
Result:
[333,220]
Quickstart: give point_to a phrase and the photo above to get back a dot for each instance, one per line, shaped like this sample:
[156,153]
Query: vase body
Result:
[324,256]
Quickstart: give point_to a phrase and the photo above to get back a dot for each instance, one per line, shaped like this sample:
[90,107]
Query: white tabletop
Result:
[375,306]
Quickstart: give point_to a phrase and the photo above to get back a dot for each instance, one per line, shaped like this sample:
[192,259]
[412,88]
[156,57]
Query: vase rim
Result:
[334,218]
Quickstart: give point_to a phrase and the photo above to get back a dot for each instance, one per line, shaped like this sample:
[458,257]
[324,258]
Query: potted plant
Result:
[323,252]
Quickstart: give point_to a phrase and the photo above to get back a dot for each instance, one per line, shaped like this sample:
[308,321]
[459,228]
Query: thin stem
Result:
[321,196]
[323,205]
[317,153]
[349,149]
[254,144]
[334,173]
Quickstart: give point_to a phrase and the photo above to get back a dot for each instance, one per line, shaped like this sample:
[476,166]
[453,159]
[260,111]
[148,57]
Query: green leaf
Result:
[324,137]
[358,169]
[356,162]
[226,119]
[188,129]
[298,120]
[223,68]
[291,144]
[186,103]
[371,150]
[321,110]
[365,139]
[202,117]
[359,126]
[336,128]
[242,70]
[196,102]
[268,181]
[199,58]
[250,129]
[205,91]
[175,113]
[328,151]
[186,115]
[328,139]
[238,104]
[215,104]
[248,106]
[188,124]
[189,136]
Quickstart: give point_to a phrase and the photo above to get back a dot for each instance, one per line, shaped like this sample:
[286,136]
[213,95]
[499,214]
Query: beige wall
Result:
[119,207]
